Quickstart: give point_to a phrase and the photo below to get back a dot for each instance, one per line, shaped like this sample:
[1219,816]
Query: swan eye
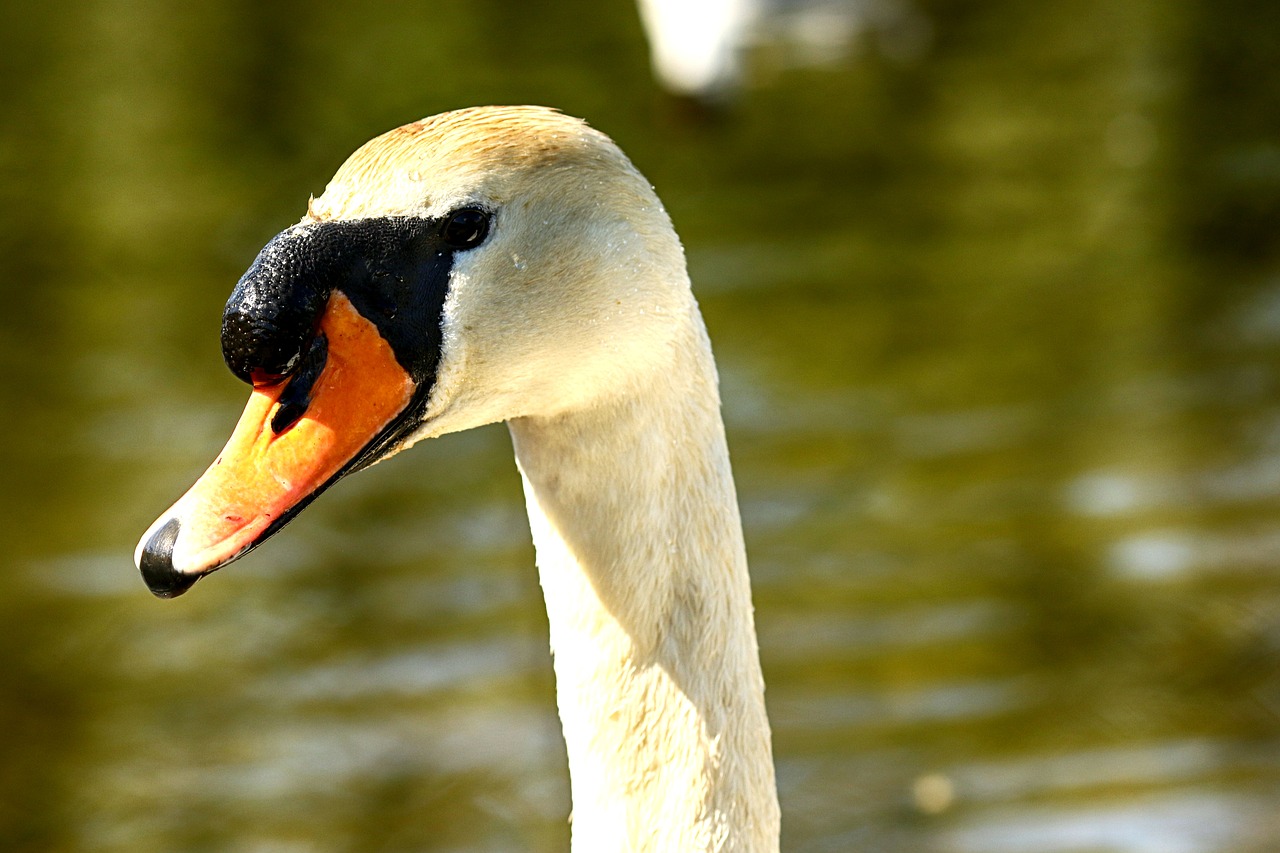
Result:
[465,228]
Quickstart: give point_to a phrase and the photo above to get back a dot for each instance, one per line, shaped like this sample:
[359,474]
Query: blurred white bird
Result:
[695,45]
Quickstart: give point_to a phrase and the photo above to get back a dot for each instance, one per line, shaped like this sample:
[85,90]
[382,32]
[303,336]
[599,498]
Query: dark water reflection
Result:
[998,320]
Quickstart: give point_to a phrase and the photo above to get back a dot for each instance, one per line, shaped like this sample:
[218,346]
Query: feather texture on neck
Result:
[641,560]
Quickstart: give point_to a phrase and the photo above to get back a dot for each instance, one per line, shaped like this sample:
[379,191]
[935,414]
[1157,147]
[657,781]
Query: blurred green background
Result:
[995,292]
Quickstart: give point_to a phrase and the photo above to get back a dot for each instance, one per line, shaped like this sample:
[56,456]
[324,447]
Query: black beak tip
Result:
[156,563]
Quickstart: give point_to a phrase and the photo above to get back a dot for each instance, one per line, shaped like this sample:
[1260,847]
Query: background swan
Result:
[510,264]
[695,47]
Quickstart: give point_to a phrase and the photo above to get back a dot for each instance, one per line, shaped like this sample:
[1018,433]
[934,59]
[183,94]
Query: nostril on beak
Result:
[296,397]
[263,379]
[156,563]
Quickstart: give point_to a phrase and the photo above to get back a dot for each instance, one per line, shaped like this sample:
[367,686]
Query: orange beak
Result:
[261,478]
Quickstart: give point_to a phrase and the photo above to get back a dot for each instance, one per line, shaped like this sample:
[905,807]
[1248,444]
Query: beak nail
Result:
[156,563]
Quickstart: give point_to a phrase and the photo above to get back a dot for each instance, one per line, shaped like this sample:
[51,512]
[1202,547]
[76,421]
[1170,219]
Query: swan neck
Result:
[641,559]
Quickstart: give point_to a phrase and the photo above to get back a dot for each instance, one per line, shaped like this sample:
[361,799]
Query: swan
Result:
[695,46]
[511,264]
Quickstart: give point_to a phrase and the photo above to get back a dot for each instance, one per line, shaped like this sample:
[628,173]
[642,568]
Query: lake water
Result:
[995,293]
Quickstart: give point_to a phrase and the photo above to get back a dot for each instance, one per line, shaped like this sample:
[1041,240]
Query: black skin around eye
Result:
[465,228]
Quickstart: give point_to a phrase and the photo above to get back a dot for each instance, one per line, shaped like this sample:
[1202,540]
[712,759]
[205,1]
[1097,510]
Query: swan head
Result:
[473,267]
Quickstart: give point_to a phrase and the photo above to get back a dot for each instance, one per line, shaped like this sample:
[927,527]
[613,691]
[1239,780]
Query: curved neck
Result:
[641,560]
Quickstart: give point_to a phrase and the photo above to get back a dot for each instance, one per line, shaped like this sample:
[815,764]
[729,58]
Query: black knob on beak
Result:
[272,316]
